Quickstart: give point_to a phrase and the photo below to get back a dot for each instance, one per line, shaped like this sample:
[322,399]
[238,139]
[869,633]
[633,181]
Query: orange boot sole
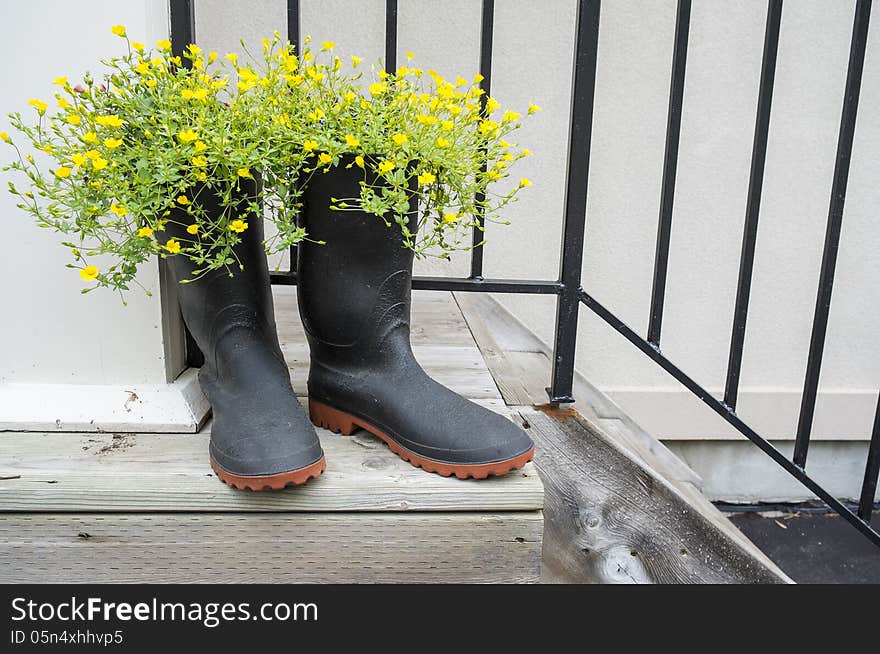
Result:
[343,423]
[270,482]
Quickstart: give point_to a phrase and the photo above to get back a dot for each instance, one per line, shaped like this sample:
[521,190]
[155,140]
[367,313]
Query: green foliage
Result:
[153,134]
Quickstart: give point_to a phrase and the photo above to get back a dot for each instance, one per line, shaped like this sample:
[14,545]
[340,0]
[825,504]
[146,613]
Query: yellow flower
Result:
[478,78]
[118,30]
[454,109]
[378,88]
[118,209]
[137,47]
[151,83]
[212,57]
[192,229]
[63,172]
[99,163]
[327,45]
[399,139]
[488,126]
[187,136]
[232,57]
[526,152]
[238,226]
[446,125]
[78,159]
[244,172]
[524,182]
[60,81]
[351,141]
[409,55]
[112,144]
[172,246]
[442,142]
[74,119]
[89,273]
[359,161]
[491,105]
[39,105]
[142,68]
[324,158]
[199,161]
[63,103]
[308,145]
[194,50]
[356,60]
[182,200]
[164,44]
[109,121]
[533,108]
[186,94]
[426,119]
[90,137]
[93,155]
[450,217]
[509,116]
[200,146]
[385,166]
[316,115]
[493,175]
[5,137]
[145,232]
[426,178]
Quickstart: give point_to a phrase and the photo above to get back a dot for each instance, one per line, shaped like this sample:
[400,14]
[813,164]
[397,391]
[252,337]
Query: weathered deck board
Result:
[610,519]
[272,548]
[49,472]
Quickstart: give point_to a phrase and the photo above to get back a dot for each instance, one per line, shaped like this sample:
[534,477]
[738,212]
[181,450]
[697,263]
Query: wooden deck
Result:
[77,507]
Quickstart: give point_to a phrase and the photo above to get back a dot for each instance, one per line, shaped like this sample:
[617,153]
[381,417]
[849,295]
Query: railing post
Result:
[583,89]
[845,138]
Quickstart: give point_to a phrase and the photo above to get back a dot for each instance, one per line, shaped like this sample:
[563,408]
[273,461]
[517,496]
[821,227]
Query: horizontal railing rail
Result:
[568,287]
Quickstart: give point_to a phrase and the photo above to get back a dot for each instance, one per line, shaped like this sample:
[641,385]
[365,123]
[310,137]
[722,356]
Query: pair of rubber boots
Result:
[354,301]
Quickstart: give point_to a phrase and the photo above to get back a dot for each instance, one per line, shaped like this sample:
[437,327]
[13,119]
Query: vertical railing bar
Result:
[872,470]
[832,232]
[583,88]
[183,29]
[390,35]
[670,166]
[487,30]
[753,203]
[294,37]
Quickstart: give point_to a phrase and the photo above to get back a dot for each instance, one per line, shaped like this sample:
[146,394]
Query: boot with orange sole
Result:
[354,300]
[261,438]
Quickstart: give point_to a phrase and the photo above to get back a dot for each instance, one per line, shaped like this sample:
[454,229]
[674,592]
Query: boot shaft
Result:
[217,303]
[357,286]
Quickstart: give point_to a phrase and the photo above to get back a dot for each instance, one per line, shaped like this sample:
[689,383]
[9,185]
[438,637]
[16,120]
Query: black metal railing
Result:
[568,287]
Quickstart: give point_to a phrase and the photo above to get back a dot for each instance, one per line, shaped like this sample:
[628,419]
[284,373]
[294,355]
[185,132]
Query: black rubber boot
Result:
[354,299]
[261,438]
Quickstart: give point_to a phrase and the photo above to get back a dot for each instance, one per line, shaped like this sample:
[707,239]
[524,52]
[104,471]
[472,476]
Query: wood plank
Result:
[611,519]
[520,364]
[271,548]
[50,472]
